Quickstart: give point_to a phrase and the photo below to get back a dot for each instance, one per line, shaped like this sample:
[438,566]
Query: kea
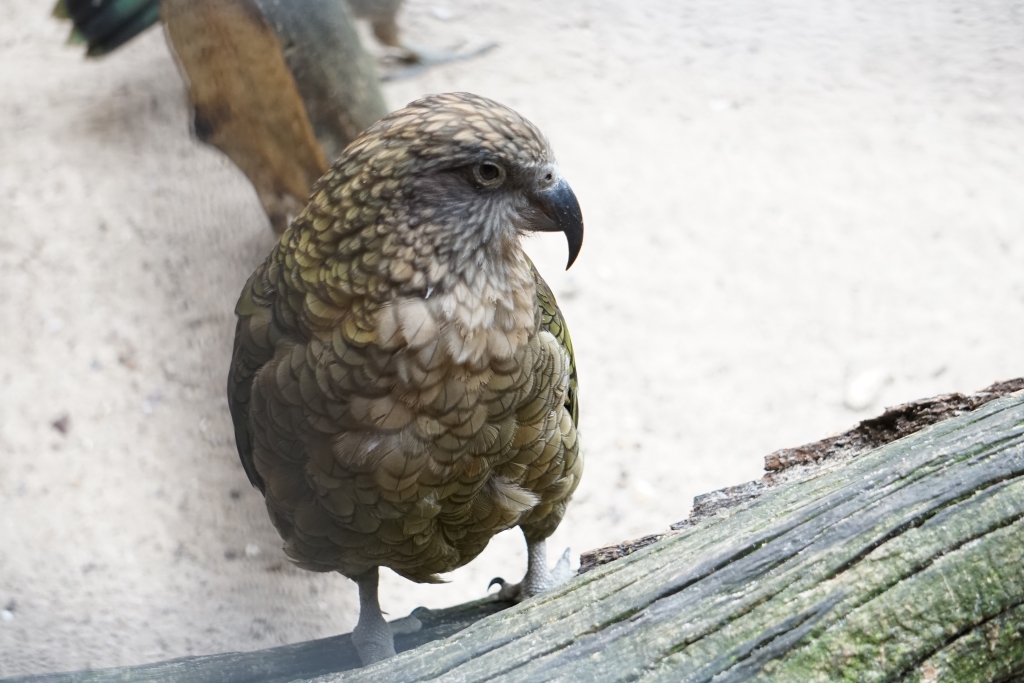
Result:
[403,385]
[279,87]
[105,25]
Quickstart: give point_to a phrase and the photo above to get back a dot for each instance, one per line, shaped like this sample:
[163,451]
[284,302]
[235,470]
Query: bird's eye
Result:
[489,174]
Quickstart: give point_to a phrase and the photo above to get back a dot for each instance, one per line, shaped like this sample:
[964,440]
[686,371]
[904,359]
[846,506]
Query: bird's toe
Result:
[563,570]
[373,645]
[509,592]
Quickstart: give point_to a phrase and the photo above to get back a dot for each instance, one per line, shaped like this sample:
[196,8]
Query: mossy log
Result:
[903,563]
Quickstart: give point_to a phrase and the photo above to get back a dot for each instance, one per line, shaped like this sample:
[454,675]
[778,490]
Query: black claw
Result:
[497,580]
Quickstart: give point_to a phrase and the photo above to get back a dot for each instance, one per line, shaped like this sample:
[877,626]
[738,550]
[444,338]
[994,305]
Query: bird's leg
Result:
[416,58]
[539,578]
[372,635]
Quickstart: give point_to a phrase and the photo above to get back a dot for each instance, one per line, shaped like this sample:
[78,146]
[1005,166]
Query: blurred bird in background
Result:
[403,385]
[105,25]
[279,87]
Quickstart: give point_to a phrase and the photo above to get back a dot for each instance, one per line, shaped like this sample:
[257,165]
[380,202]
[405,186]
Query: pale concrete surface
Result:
[792,207]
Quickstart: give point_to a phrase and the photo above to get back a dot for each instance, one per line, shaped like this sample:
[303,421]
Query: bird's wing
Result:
[254,348]
[552,321]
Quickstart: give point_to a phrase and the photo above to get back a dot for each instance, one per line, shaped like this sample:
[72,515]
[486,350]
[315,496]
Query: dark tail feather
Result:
[105,25]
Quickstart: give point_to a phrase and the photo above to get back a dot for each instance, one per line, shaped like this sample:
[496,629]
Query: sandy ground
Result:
[797,212]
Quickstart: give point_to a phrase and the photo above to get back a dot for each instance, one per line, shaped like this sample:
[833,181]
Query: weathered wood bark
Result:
[901,564]
[286,663]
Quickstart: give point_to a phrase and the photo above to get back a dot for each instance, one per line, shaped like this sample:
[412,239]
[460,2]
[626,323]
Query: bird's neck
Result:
[469,320]
[486,312]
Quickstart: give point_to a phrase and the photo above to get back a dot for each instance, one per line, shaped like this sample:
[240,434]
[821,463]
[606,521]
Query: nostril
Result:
[547,177]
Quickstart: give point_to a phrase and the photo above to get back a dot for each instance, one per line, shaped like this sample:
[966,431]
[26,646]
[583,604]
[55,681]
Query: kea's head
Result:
[450,181]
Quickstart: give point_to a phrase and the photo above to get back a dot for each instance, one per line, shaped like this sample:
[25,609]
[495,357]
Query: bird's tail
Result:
[105,25]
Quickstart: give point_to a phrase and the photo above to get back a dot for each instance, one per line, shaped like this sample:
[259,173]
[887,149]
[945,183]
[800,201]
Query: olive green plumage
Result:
[403,385]
[553,322]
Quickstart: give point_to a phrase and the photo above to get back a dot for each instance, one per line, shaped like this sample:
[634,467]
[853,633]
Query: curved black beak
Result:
[559,205]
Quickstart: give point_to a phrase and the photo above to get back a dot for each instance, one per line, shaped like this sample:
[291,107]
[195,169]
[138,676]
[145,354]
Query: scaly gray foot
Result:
[539,579]
[372,635]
